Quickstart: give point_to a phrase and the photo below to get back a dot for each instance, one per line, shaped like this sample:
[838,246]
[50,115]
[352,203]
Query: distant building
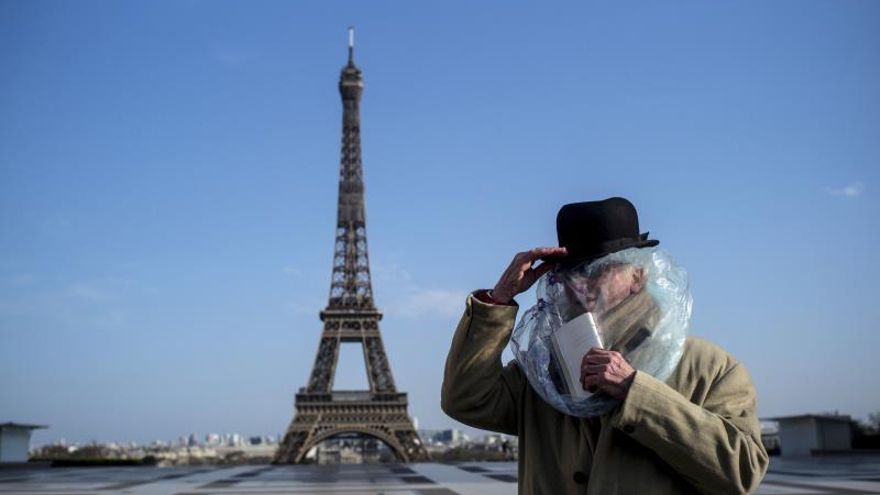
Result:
[449,436]
[446,437]
[770,436]
[808,434]
[15,440]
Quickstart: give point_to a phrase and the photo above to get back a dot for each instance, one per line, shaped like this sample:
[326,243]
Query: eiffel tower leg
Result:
[325,364]
[289,448]
[298,439]
[412,445]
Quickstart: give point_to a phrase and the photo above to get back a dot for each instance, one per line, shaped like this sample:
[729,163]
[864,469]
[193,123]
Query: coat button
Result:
[580,478]
[629,428]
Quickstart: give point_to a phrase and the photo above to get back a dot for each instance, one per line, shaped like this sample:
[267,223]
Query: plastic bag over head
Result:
[635,301]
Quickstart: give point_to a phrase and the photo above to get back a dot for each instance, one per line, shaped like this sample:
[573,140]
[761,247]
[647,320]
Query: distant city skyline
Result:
[214,438]
[168,175]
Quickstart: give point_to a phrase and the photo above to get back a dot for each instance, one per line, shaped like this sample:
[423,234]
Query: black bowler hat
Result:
[592,229]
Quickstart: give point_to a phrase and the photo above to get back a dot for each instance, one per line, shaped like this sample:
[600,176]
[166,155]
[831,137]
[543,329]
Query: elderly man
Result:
[697,432]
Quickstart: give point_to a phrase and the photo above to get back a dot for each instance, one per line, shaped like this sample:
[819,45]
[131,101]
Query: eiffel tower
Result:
[350,316]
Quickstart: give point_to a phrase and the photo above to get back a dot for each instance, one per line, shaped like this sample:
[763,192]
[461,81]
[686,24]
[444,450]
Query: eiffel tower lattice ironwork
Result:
[350,316]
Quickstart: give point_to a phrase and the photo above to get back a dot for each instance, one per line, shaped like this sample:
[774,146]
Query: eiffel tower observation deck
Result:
[322,413]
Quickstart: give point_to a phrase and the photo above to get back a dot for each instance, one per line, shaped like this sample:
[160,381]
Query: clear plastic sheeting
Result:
[640,304]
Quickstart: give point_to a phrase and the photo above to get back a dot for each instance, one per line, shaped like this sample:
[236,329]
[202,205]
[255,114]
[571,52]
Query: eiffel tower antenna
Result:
[350,316]
[351,44]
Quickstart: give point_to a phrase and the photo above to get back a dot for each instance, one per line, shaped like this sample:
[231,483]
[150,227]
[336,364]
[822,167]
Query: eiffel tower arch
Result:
[321,412]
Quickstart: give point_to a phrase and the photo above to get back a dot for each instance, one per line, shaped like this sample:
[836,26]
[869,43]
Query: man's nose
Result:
[591,291]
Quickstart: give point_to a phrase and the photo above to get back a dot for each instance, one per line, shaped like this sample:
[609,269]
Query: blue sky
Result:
[168,189]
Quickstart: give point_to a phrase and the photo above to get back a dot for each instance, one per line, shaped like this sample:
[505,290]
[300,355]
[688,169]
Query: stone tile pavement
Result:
[827,475]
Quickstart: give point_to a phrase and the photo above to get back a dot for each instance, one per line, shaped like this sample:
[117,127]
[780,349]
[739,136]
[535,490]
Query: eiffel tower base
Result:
[323,416]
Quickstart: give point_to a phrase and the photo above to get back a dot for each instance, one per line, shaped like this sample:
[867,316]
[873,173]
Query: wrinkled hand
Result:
[520,275]
[607,371]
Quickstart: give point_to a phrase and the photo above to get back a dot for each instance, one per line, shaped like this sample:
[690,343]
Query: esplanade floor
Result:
[827,475]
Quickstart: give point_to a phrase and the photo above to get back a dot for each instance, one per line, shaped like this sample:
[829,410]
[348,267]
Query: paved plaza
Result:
[829,475]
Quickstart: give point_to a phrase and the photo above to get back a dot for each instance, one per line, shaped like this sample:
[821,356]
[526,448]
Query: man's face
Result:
[604,287]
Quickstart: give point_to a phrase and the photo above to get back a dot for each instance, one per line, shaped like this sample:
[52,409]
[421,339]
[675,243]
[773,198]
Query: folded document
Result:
[570,342]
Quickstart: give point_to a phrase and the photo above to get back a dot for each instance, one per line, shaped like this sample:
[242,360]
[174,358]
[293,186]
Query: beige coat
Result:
[695,433]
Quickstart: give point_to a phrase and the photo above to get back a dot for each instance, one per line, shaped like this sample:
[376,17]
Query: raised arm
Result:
[476,389]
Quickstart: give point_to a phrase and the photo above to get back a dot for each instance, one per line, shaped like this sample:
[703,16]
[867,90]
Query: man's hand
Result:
[520,275]
[606,371]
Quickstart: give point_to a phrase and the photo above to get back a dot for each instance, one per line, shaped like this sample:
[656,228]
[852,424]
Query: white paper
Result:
[570,342]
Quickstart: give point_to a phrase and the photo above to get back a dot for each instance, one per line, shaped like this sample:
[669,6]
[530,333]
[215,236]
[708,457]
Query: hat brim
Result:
[575,259]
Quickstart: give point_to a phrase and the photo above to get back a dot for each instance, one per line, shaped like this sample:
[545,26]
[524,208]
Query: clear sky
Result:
[168,174]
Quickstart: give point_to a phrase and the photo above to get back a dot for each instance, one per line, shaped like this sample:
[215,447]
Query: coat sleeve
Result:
[716,446]
[476,389]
